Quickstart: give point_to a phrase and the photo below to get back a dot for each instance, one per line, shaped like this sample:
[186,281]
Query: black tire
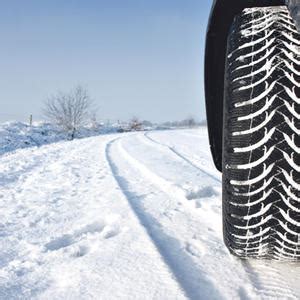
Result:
[261,143]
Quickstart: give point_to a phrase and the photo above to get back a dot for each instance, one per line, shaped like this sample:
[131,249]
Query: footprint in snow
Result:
[203,192]
[202,197]
[61,242]
[110,232]
[106,231]
[195,248]
[80,251]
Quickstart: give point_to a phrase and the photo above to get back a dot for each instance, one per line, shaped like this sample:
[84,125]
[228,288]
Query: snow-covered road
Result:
[124,216]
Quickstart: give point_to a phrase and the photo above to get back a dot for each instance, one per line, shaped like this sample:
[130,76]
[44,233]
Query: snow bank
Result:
[16,135]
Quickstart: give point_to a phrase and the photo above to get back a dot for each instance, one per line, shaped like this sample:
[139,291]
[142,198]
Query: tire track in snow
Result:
[270,281]
[194,284]
[173,190]
[186,241]
[172,149]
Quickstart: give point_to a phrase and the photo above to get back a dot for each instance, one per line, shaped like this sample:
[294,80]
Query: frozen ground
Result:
[123,216]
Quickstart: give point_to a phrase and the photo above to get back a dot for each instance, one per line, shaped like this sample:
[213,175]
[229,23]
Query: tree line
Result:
[71,110]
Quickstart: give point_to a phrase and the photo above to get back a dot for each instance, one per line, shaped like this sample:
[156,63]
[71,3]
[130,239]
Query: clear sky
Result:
[136,57]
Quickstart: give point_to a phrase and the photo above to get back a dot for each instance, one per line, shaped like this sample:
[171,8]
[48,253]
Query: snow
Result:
[123,216]
[15,135]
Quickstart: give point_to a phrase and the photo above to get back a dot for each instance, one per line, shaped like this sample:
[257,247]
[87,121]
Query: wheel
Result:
[261,143]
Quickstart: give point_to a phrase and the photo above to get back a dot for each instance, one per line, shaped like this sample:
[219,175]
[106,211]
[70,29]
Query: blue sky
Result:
[136,57]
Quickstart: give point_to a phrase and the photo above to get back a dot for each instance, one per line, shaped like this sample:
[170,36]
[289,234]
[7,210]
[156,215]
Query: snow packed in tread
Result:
[262,143]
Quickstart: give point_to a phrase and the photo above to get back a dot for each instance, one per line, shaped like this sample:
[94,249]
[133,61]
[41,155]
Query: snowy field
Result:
[123,216]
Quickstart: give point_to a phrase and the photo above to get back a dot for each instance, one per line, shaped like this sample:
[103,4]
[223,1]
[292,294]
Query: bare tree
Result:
[135,124]
[191,122]
[69,110]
